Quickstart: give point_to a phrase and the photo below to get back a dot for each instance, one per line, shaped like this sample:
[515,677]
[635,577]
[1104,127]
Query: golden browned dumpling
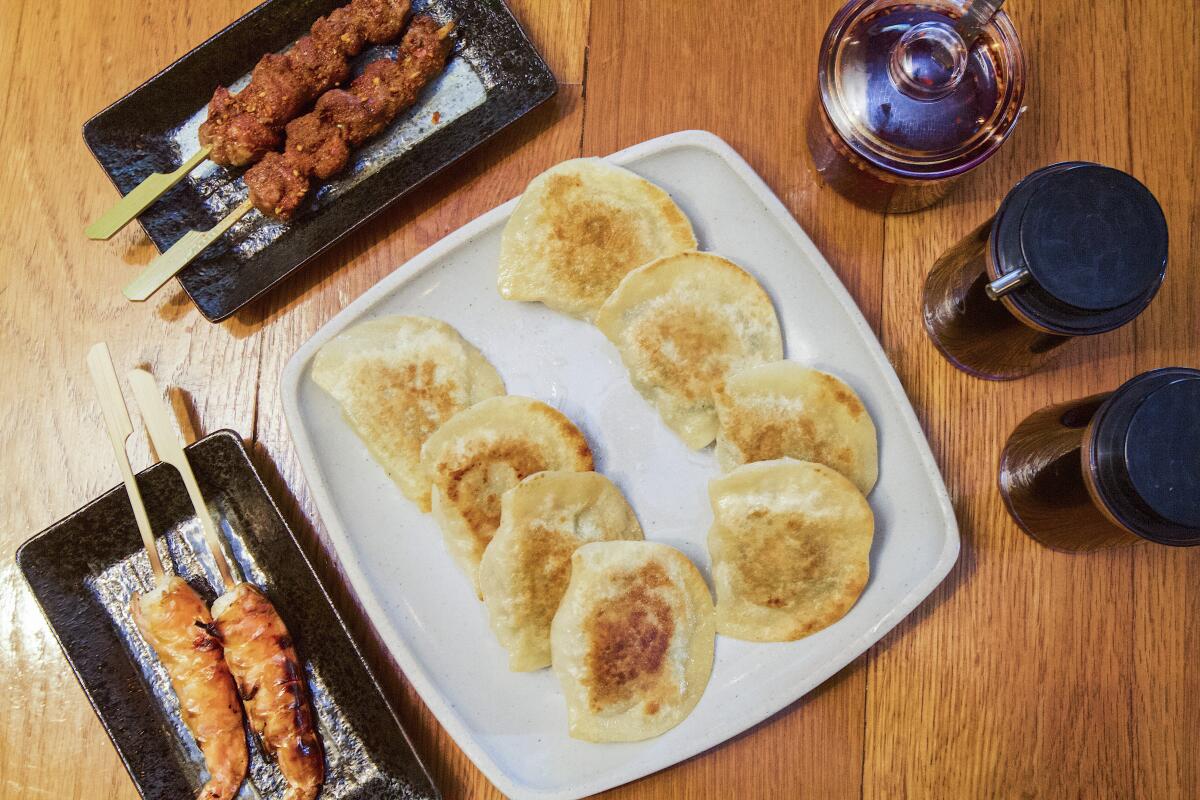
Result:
[683,324]
[786,409]
[579,228]
[789,544]
[632,641]
[481,453]
[397,380]
[524,571]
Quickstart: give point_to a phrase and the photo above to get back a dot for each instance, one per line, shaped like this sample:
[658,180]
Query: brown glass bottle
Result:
[1075,249]
[904,106]
[1112,469]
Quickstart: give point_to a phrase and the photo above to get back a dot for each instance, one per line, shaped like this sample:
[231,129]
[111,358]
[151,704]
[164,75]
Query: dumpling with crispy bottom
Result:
[683,324]
[482,452]
[525,569]
[790,543]
[786,409]
[579,228]
[397,379]
[632,641]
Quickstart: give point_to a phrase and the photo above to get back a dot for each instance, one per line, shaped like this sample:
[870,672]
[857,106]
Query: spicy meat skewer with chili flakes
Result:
[319,143]
[242,127]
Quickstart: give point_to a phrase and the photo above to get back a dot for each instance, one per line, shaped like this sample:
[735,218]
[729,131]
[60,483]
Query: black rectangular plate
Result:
[84,569]
[494,78]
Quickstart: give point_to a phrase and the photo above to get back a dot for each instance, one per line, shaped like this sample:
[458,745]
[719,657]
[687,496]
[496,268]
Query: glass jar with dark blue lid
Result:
[1111,469]
[1075,249]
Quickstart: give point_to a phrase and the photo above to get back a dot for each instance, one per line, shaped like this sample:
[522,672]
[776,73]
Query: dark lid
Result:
[1094,240]
[903,92]
[1146,455]
[1162,451]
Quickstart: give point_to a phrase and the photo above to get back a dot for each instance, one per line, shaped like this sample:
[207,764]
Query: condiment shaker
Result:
[1112,469]
[904,105]
[1075,249]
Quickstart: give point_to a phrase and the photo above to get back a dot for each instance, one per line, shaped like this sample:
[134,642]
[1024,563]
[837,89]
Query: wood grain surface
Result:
[1028,673]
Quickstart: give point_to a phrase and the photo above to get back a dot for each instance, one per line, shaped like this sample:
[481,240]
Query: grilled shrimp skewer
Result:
[257,647]
[261,657]
[175,622]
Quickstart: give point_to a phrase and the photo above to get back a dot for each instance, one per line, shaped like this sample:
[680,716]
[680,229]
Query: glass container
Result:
[903,106]
[1075,249]
[1112,469]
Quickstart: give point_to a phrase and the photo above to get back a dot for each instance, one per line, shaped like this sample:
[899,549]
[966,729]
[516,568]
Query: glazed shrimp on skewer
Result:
[260,653]
[257,646]
[177,625]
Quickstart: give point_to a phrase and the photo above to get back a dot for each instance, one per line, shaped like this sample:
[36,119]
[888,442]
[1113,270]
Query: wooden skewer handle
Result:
[116,417]
[166,443]
[131,205]
[180,254]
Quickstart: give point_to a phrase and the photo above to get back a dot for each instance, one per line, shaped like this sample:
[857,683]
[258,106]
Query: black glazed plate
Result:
[494,78]
[84,568]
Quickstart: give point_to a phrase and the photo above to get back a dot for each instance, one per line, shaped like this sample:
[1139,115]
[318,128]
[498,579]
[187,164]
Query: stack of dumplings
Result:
[482,452]
[683,324]
[510,482]
[550,546]
[397,379]
[524,572]
[701,342]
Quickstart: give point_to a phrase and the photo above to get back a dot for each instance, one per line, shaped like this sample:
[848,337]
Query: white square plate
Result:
[513,725]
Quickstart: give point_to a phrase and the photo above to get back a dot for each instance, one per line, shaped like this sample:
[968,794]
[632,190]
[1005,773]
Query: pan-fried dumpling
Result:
[481,453]
[525,569]
[789,544]
[683,324]
[579,228]
[786,409]
[632,641]
[397,380]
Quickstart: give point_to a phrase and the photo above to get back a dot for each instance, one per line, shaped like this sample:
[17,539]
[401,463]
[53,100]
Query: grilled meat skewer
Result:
[243,633]
[320,142]
[174,620]
[261,657]
[242,127]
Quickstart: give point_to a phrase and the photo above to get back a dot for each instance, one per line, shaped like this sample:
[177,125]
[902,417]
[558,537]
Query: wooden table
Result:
[1028,673]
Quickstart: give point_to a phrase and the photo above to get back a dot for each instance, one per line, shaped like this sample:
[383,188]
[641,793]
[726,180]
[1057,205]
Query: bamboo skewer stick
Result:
[166,443]
[131,205]
[116,417]
[179,255]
